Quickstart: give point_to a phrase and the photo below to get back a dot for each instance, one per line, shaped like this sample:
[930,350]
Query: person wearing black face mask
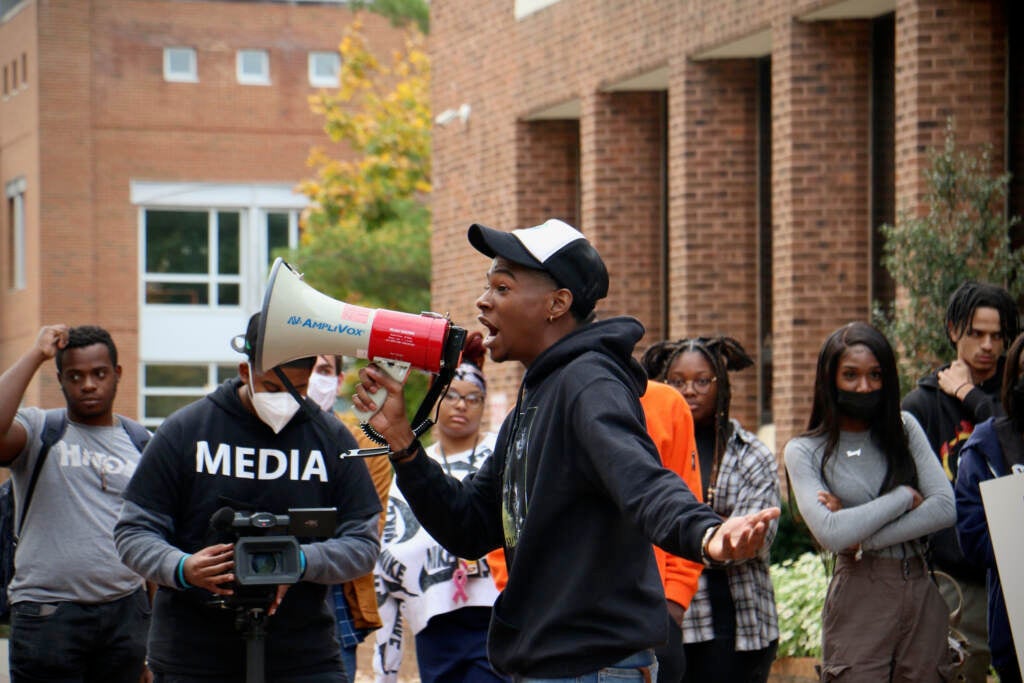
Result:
[995,449]
[869,488]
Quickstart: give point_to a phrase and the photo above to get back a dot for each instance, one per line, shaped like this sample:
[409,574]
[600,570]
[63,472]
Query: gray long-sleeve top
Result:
[880,524]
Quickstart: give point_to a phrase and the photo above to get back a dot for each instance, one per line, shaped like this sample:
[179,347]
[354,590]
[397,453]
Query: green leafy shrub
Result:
[964,234]
[800,586]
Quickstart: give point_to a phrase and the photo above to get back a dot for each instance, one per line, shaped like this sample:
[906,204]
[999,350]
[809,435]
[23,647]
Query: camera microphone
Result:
[221,520]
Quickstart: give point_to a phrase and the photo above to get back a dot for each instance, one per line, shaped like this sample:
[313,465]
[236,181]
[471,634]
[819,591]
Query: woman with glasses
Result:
[446,600]
[731,628]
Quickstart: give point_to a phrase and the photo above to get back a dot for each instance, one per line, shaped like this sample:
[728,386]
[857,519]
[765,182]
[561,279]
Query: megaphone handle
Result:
[397,370]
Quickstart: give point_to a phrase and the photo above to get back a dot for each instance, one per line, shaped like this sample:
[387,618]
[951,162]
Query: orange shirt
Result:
[671,428]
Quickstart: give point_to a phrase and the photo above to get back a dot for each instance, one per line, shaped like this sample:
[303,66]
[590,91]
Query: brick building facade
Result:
[731,160]
[149,151]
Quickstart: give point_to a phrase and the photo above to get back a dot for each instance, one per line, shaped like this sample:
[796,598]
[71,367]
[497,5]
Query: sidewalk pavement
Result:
[5,675]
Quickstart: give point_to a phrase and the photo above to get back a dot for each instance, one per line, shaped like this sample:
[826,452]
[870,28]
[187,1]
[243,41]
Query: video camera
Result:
[267,551]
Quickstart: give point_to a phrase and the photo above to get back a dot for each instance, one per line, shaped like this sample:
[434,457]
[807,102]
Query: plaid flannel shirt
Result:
[748,481]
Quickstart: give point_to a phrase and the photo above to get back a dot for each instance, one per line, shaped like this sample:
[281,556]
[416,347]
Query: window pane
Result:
[228,240]
[253,62]
[158,375]
[228,295]
[180,61]
[179,64]
[162,406]
[177,293]
[277,234]
[326,64]
[176,242]
[226,372]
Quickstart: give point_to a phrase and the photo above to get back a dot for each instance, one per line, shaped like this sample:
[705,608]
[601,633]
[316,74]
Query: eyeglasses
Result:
[701,385]
[453,397]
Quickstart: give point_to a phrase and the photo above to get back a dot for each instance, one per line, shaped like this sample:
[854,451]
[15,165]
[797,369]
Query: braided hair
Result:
[723,354]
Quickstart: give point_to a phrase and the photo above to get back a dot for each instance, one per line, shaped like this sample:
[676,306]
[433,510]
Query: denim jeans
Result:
[641,667]
[327,677]
[75,643]
[348,658]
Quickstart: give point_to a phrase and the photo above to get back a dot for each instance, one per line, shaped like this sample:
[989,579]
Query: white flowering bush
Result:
[800,586]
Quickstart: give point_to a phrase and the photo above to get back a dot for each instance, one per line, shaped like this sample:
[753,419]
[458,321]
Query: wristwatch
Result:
[406,454]
[704,557]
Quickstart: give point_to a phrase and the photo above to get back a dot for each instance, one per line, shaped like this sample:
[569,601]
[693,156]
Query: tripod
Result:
[253,622]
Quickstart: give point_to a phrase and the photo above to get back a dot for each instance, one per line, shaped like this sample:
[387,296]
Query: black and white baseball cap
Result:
[556,248]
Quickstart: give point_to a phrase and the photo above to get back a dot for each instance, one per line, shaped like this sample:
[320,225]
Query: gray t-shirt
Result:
[66,549]
[881,524]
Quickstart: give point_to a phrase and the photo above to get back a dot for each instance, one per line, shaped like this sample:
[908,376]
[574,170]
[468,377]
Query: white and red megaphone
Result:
[297,321]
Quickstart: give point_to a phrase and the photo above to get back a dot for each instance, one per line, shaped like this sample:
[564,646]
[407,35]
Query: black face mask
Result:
[858,405]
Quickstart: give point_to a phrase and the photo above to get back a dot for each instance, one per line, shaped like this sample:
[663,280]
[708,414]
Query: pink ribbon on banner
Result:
[460,577]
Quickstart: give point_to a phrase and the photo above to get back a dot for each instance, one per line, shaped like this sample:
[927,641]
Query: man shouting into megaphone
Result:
[574,491]
[250,446]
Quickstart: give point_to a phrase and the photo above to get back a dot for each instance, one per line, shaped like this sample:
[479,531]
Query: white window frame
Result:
[149,391]
[247,78]
[212,278]
[190,75]
[318,80]
[199,335]
[14,191]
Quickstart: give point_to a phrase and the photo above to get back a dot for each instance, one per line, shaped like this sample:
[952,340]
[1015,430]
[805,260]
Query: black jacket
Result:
[948,422]
[213,454]
[576,494]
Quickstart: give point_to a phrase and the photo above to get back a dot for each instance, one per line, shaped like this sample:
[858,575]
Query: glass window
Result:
[170,386]
[278,234]
[15,193]
[193,258]
[324,68]
[253,67]
[180,64]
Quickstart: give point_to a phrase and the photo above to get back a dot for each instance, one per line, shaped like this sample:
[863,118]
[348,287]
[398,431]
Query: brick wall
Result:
[622,152]
[713,226]
[949,58]
[107,117]
[819,83]
[19,157]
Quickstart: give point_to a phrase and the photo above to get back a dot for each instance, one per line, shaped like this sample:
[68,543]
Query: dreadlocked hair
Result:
[723,354]
[87,335]
[969,297]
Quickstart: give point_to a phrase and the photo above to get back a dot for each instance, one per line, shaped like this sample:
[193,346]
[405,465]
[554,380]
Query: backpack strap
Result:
[139,435]
[54,425]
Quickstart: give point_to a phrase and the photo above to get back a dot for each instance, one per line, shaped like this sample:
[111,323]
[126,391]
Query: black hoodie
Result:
[948,422]
[576,495]
[214,453]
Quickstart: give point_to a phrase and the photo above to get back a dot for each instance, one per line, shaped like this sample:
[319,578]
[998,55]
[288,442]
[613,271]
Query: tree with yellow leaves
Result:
[366,236]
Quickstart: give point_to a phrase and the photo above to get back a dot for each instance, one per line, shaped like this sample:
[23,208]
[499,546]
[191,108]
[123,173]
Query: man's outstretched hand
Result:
[741,538]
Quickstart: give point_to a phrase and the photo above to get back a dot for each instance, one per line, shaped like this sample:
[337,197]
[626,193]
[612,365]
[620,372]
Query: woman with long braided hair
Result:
[731,629]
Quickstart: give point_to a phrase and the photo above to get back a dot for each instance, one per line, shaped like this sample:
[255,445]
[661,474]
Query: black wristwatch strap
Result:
[406,454]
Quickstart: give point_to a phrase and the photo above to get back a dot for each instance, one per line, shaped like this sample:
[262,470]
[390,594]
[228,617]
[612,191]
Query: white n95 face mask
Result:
[276,409]
[323,389]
